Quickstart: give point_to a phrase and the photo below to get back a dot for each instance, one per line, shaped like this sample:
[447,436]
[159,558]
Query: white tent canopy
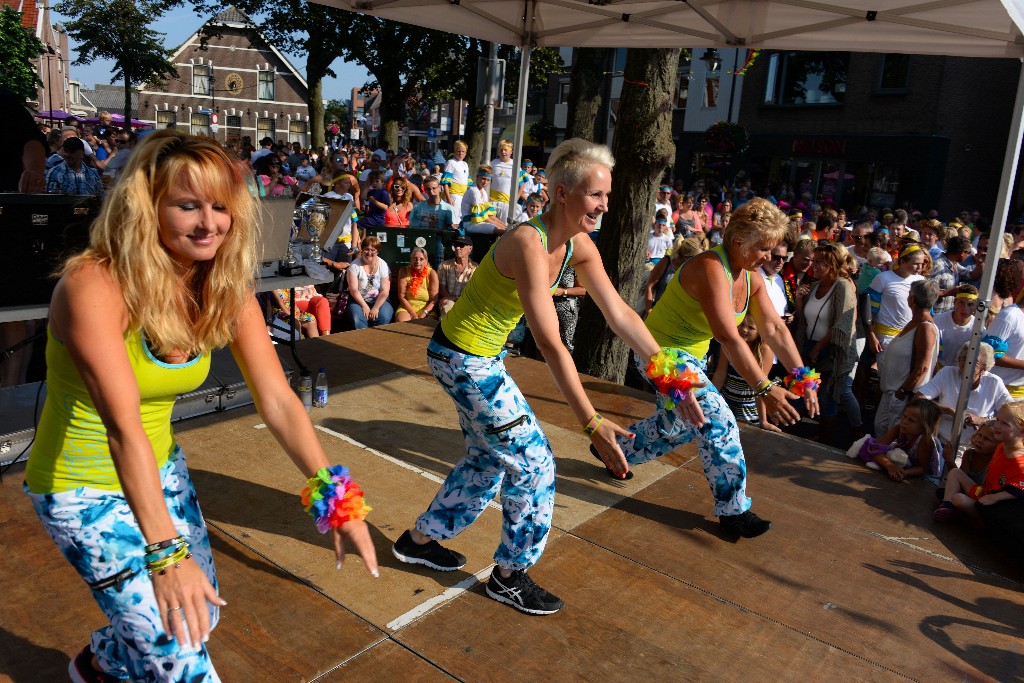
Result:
[970,28]
[962,28]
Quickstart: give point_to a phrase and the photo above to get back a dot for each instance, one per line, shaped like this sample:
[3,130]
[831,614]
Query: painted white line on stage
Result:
[435,602]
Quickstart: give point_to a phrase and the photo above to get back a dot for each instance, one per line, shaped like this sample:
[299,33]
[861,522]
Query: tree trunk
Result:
[474,139]
[643,149]
[586,84]
[127,101]
[316,113]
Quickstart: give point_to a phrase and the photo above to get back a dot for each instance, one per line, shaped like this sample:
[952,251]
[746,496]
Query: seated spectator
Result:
[417,287]
[433,212]
[978,454]
[305,170]
[478,215]
[369,283]
[271,181]
[72,175]
[454,274]
[397,214]
[917,450]
[312,311]
[533,206]
[1004,480]
[987,393]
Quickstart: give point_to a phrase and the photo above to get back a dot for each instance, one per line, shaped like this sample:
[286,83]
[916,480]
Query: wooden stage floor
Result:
[853,582]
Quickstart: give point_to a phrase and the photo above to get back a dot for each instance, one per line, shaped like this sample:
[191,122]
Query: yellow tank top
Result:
[489,307]
[677,319]
[71,448]
[422,298]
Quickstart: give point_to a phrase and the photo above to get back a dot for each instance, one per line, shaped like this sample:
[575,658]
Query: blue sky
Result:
[181,23]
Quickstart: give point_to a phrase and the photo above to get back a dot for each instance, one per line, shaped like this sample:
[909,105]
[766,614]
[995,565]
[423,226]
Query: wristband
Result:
[160,566]
[671,376]
[332,498]
[766,388]
[153,547]
[593,425]
[800,380]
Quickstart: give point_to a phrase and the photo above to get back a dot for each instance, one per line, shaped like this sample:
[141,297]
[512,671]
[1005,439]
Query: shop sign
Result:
[823,146]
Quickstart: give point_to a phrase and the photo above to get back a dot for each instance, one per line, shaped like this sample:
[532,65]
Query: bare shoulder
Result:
[87,281]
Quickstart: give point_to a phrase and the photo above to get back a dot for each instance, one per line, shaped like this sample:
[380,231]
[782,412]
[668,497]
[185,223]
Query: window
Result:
[234,126]
[201,124]
[266,128]
[893,73]
[806,78]
[563,92]
[201,76]
[265,89]
[166,119]
[682,91]
[298,131]
[711,92]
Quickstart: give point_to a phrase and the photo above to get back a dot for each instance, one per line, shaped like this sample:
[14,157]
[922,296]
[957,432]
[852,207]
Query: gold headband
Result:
[967,295]
[909,250]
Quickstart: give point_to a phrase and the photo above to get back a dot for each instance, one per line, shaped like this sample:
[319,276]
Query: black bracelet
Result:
[153,547]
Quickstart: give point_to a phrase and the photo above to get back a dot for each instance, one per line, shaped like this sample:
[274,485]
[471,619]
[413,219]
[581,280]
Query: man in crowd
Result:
[454,273]
[72,175]
[266,147]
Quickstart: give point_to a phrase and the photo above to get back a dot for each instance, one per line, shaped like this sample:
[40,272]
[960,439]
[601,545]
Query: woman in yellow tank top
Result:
[167,277]
[417,287]
[507,452]
[708,297]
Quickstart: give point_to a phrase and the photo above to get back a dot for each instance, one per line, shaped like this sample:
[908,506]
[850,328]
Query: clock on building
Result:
[234,83]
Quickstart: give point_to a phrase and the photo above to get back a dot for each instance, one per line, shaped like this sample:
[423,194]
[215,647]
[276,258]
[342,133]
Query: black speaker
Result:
[39,232]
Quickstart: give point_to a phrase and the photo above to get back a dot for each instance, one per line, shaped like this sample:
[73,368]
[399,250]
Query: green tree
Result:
[586,84]
[336,110]
[18,47]
[119,30]
[643,149]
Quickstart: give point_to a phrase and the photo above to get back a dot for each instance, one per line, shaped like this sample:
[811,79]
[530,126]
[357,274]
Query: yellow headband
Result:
[909,250]
[967,295]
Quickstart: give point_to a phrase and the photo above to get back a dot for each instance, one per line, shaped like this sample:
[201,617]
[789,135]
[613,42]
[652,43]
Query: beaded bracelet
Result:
[800,380]
[765,387]
[671,376]
[332,498]
[593,425]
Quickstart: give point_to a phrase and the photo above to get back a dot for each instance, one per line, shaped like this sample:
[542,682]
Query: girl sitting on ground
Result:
[1004,479]
[916,450]
[978,455]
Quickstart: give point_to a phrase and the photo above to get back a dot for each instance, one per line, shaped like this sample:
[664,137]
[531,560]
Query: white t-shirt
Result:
[818,313]
[369,284]
[1009,326]
[952,336]
[657,245]
[891,292]
[776,288]
[502,176]
[944,388]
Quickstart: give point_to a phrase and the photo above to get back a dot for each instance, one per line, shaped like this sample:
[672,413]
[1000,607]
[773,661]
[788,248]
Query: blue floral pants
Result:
[506,452]
[98,534]
[718,442]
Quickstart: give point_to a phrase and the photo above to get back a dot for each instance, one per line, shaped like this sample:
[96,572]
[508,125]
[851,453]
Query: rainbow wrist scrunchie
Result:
[671,376]
[332,498]
[799,380]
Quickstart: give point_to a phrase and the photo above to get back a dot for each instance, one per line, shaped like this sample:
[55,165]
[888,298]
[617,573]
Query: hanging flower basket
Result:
[727,138]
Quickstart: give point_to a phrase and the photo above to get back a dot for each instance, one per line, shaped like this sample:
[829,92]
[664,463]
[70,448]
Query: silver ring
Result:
[171,609]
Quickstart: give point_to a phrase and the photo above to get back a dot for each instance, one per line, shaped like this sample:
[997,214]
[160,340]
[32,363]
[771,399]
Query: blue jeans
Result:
[355,320]
[847,400]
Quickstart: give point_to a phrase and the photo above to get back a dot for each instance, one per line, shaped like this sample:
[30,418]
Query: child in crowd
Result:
[878,260]
[660,241]
[1004,479]
[377,201]
[734,389]
[978,454]
[912,444]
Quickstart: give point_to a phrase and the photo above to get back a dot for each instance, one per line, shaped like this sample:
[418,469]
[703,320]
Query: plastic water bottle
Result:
[306,390]
[320,390]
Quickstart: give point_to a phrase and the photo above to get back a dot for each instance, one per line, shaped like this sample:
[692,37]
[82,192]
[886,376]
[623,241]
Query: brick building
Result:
[239,86]
[57,90]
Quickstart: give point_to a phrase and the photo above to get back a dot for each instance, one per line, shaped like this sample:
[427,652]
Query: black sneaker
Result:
[521,592]
[611,472]
[80,669]
[431,554]
[747,525]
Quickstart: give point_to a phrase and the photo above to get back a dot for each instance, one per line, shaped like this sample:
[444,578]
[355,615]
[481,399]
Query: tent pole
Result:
[524,80]
[995,242]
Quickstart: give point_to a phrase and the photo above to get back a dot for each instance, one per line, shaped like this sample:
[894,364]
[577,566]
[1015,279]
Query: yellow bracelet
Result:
[593,425]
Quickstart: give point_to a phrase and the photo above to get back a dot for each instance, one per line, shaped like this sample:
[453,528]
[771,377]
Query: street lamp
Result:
[711,59]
